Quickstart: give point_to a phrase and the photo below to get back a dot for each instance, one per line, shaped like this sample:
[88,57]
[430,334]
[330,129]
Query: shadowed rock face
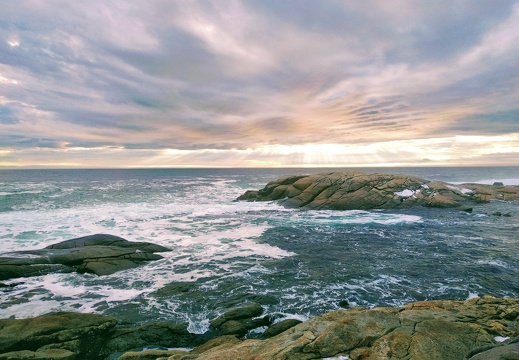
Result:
[99,254]
[360,191]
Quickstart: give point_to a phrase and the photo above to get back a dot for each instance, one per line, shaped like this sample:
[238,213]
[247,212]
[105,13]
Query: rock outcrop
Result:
[442,330]
[77,336]
[360,191]
[482,328]
[98,254]
[55,336]
[155,334]
[238,321]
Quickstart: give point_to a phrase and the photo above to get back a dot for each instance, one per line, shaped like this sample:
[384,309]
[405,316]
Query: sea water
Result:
[296,263]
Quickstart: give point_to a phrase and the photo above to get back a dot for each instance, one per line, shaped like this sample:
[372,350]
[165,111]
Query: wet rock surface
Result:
[99,254]
[360,191]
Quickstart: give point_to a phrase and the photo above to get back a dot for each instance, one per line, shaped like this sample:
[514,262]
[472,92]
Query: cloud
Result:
[230,76]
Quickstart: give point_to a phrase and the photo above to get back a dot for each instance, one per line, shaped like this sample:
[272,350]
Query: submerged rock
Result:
[238,321]
[423,330]
[98,254]
[360,191]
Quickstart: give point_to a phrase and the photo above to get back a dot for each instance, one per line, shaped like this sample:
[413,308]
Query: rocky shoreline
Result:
[479,328]
[361,191]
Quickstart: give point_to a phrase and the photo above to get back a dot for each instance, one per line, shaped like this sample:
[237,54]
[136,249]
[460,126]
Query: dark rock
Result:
[49,354]
[2,285]
[244,312]
[165,334]
[344,304]
[498,183]
[239,321]
[99,254]
[107,266]
[244,298]
[505,352]
[10,270]
[465,208]
[108,240]
[81,334]
[360,191]
[176,288]
[280,327]
[235,327]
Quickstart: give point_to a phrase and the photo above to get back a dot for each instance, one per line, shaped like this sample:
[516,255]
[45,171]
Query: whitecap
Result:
[493,262]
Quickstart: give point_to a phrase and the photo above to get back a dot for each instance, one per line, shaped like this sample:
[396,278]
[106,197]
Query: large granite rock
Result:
[442,330]
[360,191]
[156,334]
[99,254]
[77,336]
[55,336]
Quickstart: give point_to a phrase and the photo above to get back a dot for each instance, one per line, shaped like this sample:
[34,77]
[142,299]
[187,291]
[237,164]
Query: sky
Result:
[259,83]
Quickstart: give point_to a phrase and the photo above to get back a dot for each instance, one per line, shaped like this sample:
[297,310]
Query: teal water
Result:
[300,263]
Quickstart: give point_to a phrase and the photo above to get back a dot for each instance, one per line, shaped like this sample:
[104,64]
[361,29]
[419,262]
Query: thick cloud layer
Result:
[258,83]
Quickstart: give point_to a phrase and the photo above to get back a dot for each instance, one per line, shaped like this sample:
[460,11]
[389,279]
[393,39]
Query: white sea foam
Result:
[35,308]
[198,323]
[505,181]
[493,262]
[211,238]
[472,295]
[353,217]
[464,191]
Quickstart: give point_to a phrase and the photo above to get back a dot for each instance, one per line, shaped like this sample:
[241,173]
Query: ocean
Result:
[297,263]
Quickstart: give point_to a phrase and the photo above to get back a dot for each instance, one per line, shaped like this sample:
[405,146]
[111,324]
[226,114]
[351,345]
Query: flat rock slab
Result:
[99,254]
[360,191]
